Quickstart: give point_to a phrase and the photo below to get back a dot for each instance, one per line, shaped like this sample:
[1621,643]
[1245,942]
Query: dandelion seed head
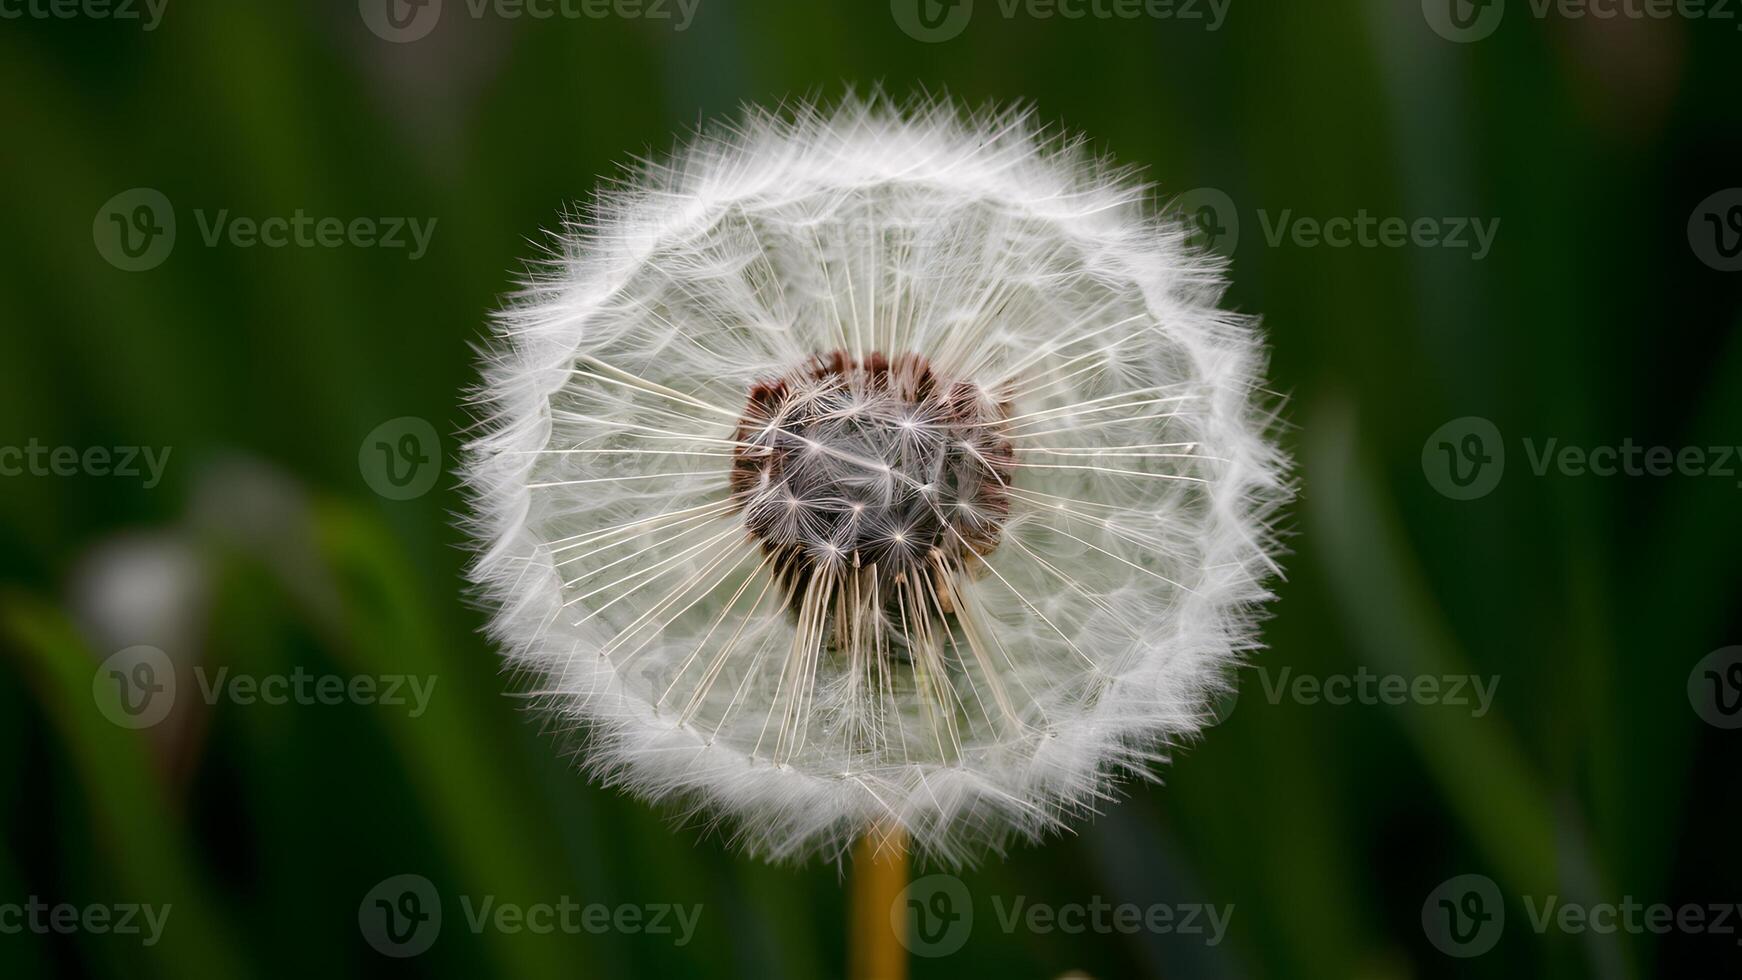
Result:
[875,465]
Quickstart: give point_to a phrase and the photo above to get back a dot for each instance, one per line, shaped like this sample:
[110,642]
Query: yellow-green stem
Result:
[879,874]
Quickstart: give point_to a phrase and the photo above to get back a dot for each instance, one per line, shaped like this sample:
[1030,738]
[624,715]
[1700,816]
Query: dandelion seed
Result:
[875,467]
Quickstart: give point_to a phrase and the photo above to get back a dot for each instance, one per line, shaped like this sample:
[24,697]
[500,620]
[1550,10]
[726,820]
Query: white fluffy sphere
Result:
[874,467]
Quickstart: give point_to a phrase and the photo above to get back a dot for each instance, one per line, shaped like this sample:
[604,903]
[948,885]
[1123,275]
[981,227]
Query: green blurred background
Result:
[1596,316]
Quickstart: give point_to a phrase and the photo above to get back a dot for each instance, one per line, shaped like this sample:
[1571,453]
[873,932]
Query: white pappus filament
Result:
[875,465]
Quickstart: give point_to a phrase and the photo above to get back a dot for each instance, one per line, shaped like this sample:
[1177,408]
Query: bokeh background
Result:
[274,540]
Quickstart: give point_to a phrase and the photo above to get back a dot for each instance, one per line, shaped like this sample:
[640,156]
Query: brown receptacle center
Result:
[847,463]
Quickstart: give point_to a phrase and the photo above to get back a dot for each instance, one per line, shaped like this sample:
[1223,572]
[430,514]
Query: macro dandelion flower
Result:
[875,466]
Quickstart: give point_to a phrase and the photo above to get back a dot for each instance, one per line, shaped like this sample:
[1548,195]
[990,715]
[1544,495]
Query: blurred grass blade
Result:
[144,848]
[452,752]
[1478,763]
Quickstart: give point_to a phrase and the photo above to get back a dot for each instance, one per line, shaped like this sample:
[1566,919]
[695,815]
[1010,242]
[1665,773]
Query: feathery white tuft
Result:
[874,466]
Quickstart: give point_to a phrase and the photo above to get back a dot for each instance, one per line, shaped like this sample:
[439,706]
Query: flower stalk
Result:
[880,868]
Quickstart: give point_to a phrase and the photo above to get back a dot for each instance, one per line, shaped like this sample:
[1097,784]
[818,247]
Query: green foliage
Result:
[1325,826]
